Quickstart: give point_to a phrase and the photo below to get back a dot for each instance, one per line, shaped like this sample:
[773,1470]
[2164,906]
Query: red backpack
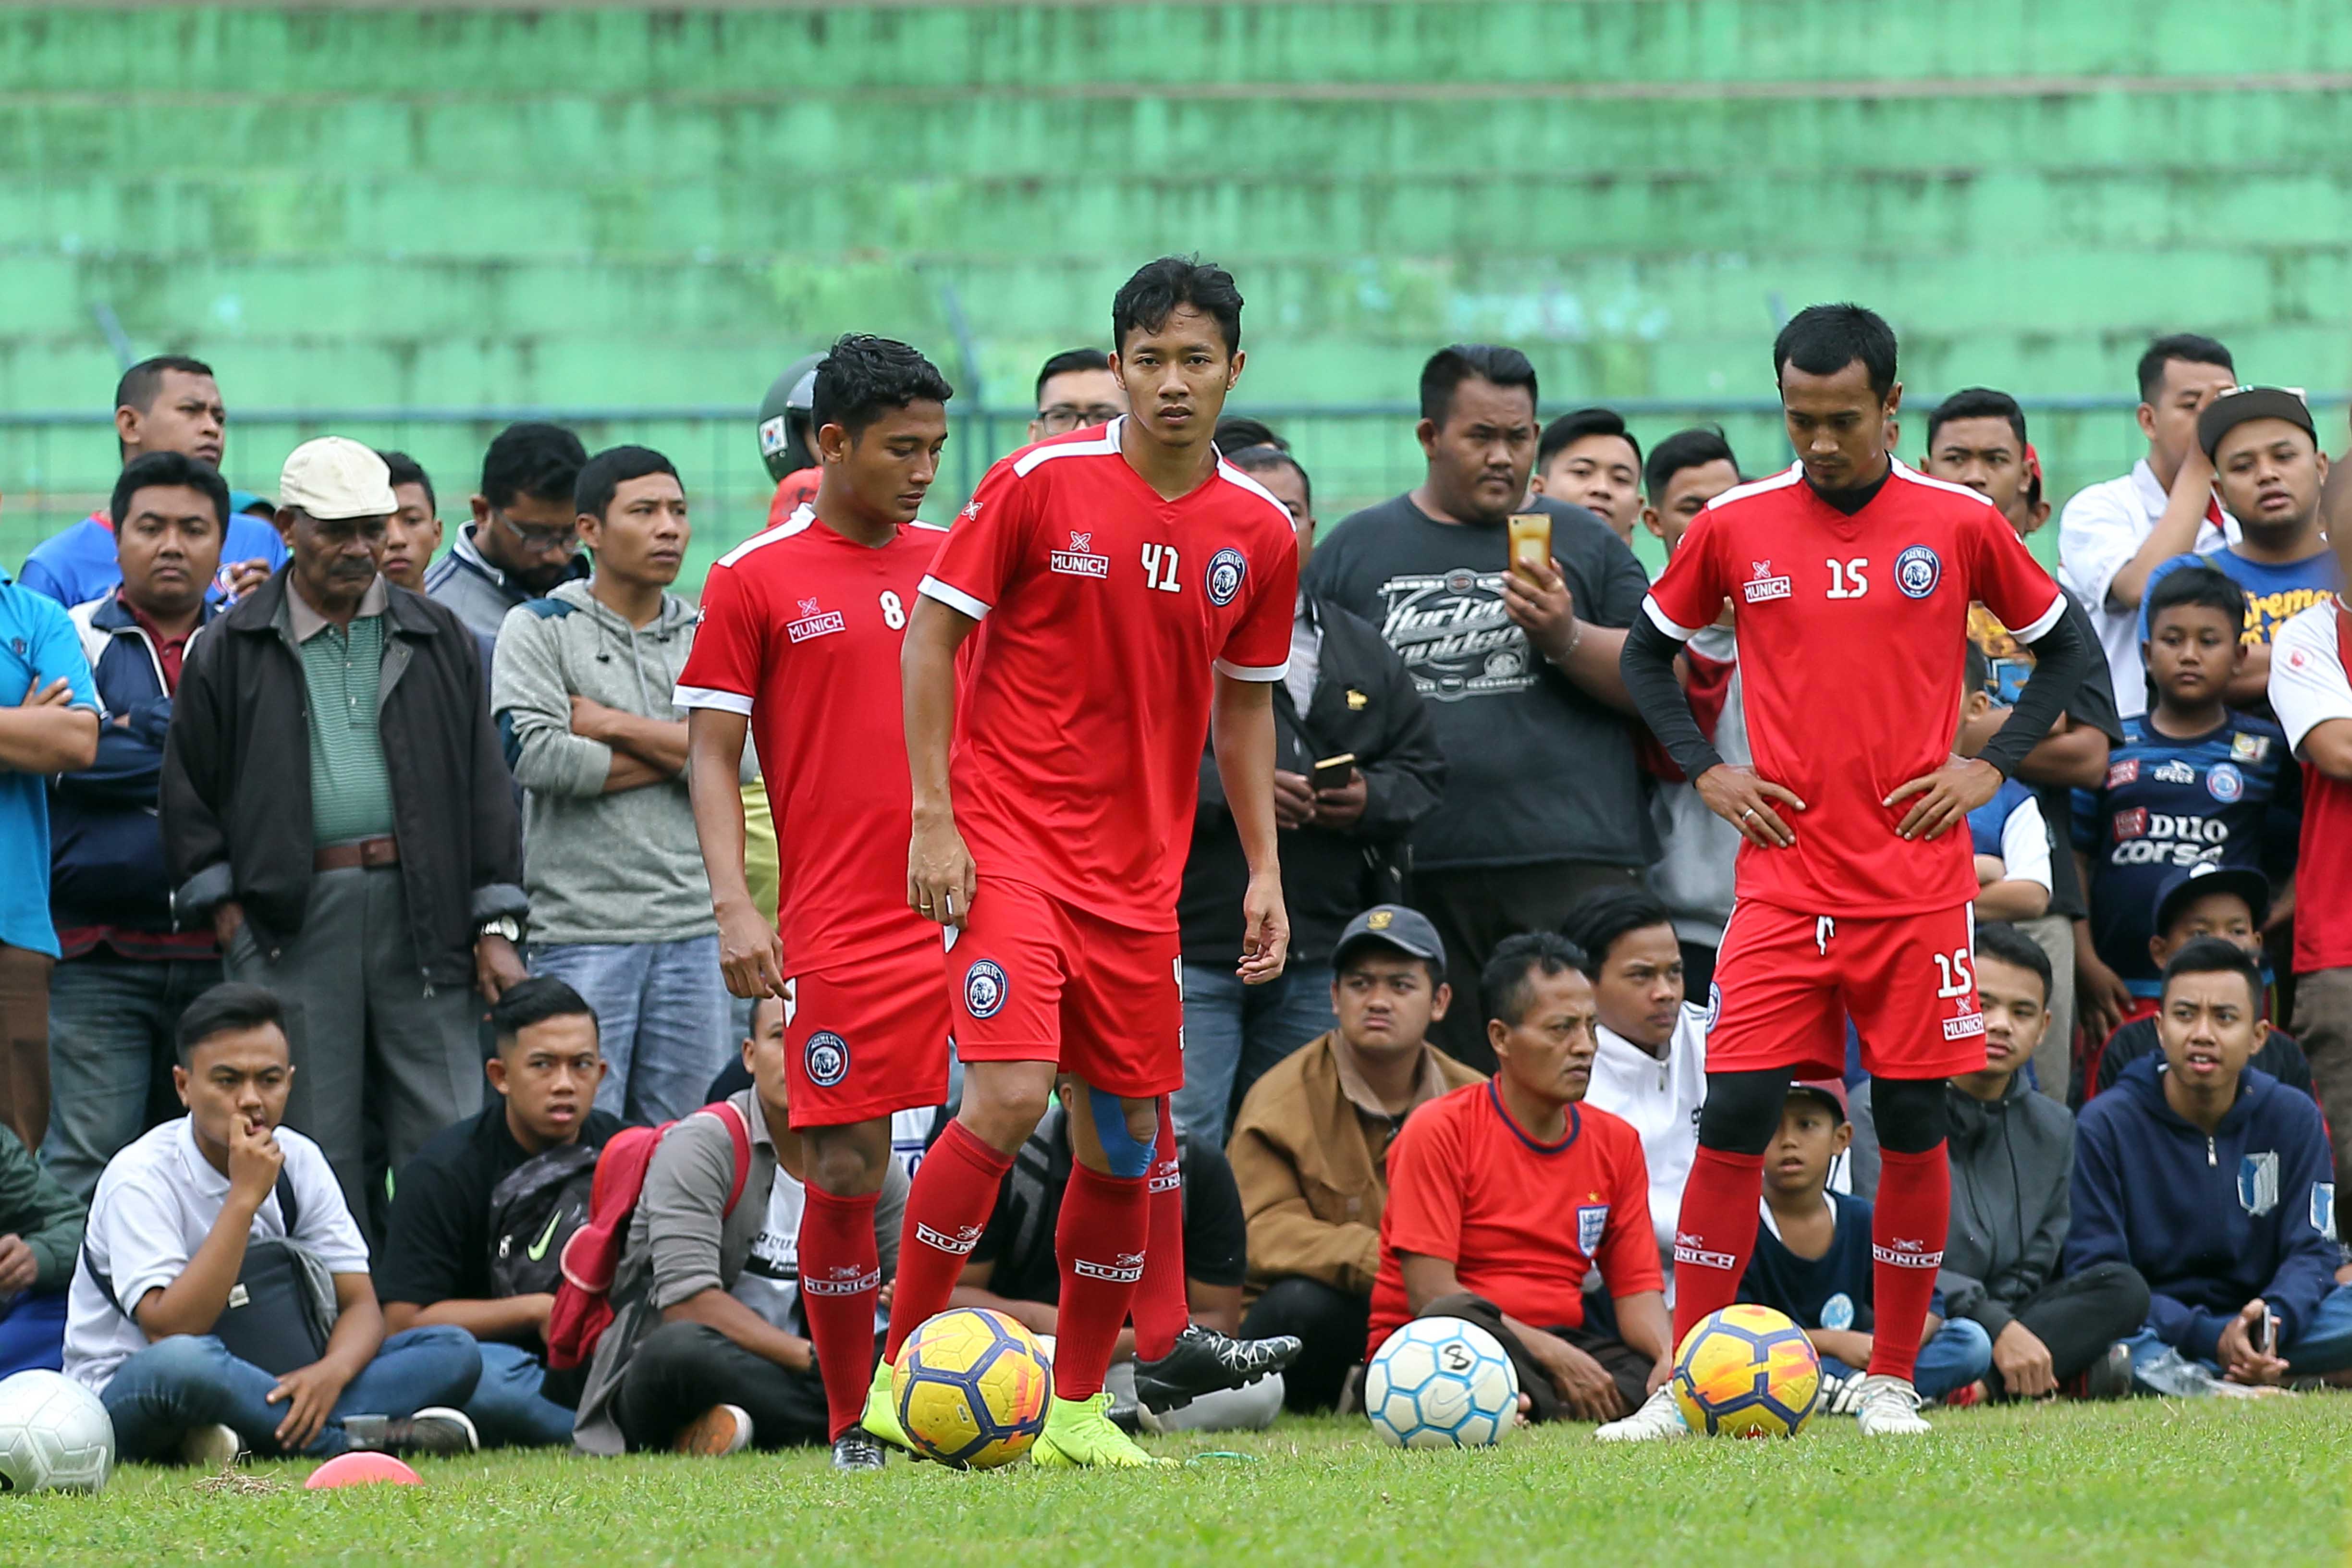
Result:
[583,1305]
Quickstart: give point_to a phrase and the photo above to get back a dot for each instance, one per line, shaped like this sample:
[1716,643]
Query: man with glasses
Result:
[524,538]
[1075,389]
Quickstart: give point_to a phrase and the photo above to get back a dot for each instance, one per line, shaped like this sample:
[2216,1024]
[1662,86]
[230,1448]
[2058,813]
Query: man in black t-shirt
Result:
[435,1264]
[1013,1270]
[1543,800]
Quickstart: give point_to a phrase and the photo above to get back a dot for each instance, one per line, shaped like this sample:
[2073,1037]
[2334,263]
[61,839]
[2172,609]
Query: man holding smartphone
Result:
[1356,763]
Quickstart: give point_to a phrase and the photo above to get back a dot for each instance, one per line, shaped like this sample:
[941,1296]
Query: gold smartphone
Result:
[1335,772]
[1530,543]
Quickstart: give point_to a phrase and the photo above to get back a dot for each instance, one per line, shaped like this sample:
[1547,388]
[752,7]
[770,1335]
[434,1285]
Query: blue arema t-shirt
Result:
[2275,594]
[37,645]
[77,564]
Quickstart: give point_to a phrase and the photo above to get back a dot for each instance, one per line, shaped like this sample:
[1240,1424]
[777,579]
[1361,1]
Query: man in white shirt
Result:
[164,1257]
[2112,534]
[1649,1063]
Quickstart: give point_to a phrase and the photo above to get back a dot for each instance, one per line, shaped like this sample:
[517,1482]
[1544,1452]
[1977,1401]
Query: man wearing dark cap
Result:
[1311,1147]
[2269,472]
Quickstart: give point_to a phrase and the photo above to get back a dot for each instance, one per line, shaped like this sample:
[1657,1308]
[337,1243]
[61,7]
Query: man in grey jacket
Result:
[708,1352]
[2012,1153]
[581,691]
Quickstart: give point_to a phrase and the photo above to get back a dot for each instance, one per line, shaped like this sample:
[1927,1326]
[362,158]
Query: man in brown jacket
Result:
[1309,1149]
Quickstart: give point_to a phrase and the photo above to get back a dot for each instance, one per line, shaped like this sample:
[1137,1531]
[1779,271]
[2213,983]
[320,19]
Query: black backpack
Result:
[534,1209]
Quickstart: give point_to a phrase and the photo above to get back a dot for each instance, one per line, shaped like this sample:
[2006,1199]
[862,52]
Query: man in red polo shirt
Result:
[1503,1195]
[2313,698]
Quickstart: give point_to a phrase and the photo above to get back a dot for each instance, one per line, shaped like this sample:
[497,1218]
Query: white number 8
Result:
[894,611]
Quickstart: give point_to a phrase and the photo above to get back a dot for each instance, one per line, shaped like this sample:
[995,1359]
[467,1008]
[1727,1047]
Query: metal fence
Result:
[56,467]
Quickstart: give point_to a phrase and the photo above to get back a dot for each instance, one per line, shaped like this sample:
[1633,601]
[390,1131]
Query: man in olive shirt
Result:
[1310,1149]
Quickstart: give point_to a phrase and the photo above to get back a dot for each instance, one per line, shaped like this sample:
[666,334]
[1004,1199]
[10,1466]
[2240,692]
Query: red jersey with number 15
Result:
[1853,637]
[801,630]
[1105,611]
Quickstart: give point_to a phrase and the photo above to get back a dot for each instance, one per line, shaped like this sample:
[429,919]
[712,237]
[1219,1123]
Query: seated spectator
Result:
[1345,695]
[415,531]
[1013,1270]
[455,1214]
[40,1228]
[183,1233]
[1482,1185]
[2193,781]
[1311,1148]
[124,975]
[1649,1064]
[2010,837]
[2200,901]
[2214,1181]
[708,1350]
[2013,1151]
[1587,458]
[1813,1259]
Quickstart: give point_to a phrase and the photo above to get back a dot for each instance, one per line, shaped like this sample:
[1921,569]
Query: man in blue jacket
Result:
[123,975]
[2215,1182]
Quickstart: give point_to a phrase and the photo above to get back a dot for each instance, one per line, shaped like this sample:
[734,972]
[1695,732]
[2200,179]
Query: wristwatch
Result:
[506,926]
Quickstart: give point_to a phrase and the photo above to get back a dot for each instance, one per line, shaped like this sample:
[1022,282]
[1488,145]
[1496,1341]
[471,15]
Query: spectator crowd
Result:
[351,905]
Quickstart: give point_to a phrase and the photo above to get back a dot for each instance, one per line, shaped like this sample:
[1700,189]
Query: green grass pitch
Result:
[2152,1481]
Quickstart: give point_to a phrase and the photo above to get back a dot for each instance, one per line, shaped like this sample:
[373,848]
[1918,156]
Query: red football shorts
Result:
[1786,984]
[1035,979]
[867,1039]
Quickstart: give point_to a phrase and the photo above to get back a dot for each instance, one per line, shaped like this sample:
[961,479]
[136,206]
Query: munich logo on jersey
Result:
[2123,772]
[1917,570]
[2174,771]
[971,513]
[2245,748]
[1079,559]
[984,988]
[814,623]
[1764,585]
[1967,1027]
[827,1058]
[960,1245]
[1125,1269]
[1226,570]
[2225,783]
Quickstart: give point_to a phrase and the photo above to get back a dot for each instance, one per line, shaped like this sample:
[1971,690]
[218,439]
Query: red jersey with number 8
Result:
[801,630]
[1085,698]
[1852,635]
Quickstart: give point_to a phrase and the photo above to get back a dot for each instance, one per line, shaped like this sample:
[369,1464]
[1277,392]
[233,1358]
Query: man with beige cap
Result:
[336,804]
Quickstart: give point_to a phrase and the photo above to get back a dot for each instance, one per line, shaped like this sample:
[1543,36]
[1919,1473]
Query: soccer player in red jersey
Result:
[1850,578]
[799,645]
[1127,594]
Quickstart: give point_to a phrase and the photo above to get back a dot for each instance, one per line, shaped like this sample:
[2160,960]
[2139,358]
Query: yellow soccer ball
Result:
[970,1387]
[1747,1371]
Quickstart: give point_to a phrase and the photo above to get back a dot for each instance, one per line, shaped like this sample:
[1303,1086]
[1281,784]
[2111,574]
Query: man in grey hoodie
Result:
[620,906]
[2012,1153]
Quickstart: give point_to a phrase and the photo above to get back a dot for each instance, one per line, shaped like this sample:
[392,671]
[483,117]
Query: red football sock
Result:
[1907,1247]
[1160,1309]
[1101,1240]
[948,1206]
[840,1275]
[1715,1233]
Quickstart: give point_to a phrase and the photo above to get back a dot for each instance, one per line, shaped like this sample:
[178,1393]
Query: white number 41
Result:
[1159,567]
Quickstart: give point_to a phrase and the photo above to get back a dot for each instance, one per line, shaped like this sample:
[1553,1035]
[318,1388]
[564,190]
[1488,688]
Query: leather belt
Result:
[367,854]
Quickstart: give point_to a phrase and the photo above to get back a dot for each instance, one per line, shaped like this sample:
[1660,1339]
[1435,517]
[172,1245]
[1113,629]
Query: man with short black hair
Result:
[1311,1148]
[124,973]
[583,692]
[1075,390]
[167,403]
[1543,798]
[414,532]
[437,1265]
[2214,1181]
[525,536]
[1587,458]
[170,1254]
[2112,534]
[1484,1182]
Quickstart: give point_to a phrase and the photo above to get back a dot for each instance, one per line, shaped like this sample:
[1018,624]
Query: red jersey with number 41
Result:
[1105,611]
[1853,637]
[801,630]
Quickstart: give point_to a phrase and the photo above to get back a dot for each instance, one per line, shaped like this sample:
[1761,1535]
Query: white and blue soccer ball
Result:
[1441,1383]
[55,1436]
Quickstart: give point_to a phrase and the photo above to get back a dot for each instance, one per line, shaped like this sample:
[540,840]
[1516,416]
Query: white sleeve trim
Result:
[711,696]
[2308,686]
[2045,620]
[2025,845]
[1262,672]
[1667,623]
[954,598]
